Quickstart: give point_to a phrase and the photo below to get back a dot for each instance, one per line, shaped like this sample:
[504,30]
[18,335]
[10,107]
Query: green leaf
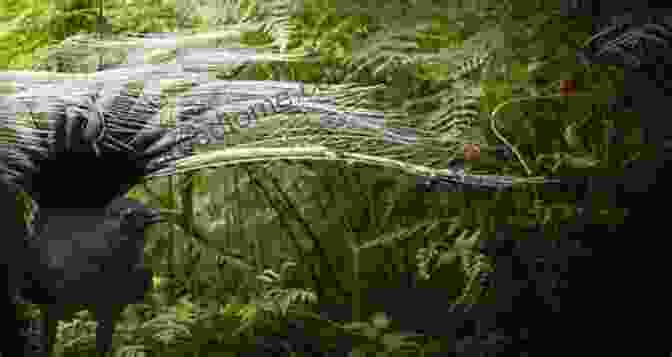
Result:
[355,326]
[380,320]
[571,137]
[266,279]
[581,162]
[519,72]
[397,341]
[448,257]
[467,240]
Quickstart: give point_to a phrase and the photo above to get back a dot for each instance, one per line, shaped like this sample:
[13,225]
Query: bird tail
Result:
[114,140]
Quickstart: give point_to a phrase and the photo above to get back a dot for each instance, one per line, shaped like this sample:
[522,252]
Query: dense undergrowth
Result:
[325,259]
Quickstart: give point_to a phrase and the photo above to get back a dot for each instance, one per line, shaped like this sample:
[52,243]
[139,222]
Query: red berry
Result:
[472,152]
[567,87]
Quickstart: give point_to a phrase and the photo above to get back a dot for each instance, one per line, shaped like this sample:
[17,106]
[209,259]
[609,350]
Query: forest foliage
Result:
[328,241]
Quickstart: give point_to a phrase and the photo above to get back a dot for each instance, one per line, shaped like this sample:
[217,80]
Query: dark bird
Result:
[87,243]
[89,259]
